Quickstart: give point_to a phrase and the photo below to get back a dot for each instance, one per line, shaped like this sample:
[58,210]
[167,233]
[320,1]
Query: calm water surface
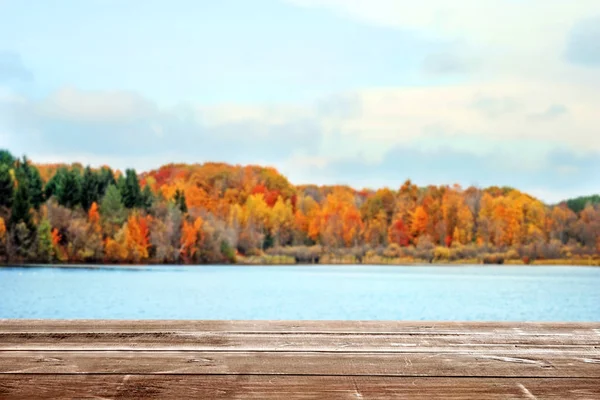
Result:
[300,293]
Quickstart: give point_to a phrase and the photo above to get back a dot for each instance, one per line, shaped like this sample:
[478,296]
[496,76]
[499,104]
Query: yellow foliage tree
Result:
[281,221]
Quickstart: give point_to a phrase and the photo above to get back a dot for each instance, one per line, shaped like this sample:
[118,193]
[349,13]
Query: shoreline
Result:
[416,265]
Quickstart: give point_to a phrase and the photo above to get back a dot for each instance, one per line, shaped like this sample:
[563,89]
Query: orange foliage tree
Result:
[192,236]
[136,240]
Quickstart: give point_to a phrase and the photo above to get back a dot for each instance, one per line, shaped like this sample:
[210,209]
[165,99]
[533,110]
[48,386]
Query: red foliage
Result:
[399,233]
[448,241]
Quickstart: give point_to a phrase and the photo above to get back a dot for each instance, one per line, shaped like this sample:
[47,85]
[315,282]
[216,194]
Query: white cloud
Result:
[525,122]
[109,106]
[502,37]
[490,22]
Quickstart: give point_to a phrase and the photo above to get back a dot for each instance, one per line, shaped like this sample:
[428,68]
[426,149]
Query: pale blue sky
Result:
[329,91]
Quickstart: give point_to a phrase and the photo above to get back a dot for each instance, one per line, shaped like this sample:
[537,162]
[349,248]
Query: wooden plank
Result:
[359,327]
[290,387]
[506,364]
[279,341]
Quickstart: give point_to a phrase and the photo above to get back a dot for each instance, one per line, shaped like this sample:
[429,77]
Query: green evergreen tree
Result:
[111,206]
[51,187]
[90,191]
[36,187]
[21,209]
[180,201]
[68,191]
[105,179]
[45,248]
[34,180]
[7,186]
[147,198]
[6,158]
[130,190]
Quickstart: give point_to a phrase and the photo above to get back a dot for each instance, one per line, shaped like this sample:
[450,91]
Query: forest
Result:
[218,213]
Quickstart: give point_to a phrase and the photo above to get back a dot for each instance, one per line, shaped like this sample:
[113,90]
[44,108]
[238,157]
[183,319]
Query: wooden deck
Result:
[298,360]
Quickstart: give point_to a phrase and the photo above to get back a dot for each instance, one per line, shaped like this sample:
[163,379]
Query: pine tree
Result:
[36,188]
[6,158]
[105,179]
[7,186]
[90,192]
[112,207]
[147,198]
[180,201]
[34,180]
[21,209]
[69,189]
[51,187]
[130,190]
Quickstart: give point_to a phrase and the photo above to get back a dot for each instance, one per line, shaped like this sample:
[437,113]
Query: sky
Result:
[365,93]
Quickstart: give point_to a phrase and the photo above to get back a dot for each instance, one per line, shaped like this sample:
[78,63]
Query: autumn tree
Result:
[398,232]
[191,239]
[115,249]
[281,221]
[254,223]
[340,220]
[306,227]
[587,227]
[406,202]
[381,201]
[485,233]
[94,216]
[562,223]
[137,238]
[85,242]
[22,242]
[419,223]
[376,230]
[206,212]
[165,232]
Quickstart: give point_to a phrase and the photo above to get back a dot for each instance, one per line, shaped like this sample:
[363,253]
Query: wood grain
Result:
[298,360]
[213,341]
[360,327]
[558,365]
[290,387]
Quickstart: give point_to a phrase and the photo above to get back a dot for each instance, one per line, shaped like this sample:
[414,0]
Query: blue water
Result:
[304,293]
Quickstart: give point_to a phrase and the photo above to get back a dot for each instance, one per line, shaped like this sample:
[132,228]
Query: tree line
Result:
[220,213]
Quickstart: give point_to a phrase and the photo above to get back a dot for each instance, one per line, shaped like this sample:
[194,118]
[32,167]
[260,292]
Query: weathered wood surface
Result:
[298,360]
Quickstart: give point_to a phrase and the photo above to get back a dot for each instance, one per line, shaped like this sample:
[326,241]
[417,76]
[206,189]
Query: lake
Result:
[473,293]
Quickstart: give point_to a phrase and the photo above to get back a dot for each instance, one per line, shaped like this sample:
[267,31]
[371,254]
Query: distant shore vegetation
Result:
[216,213]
